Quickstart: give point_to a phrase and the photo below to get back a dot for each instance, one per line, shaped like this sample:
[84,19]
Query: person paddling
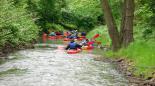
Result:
[52,34]
[84,42]
[73,45]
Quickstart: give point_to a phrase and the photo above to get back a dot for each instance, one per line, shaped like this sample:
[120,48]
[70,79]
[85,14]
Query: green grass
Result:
[141,53]
[12,71]
[104,37]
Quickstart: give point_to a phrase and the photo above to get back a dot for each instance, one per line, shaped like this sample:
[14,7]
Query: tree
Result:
[125,37]
[112,28]
[126,32]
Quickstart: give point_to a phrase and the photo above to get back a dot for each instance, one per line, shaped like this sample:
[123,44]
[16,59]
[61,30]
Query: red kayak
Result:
[90,47]
[73,51]
[44,37]
[67,39]
[59,36]
[87,47]
[60,47]
[83,37]
[52,37]
[80,39]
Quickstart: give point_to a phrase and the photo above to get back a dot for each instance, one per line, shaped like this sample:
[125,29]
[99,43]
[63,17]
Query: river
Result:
[52,66]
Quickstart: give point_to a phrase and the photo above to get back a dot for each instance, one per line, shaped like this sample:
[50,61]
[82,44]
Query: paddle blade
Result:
[96,36]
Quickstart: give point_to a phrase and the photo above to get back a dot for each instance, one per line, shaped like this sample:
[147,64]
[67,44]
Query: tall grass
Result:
[103,38]
[141,53]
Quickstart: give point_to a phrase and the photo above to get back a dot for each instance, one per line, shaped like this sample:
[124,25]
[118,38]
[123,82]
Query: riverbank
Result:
[126,67]
[9,48]
[49,67]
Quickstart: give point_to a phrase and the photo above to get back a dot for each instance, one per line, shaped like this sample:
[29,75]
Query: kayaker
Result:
[58,33]
[83,33]
[72,36]
[73,45]
[91,42]
[52,34]
[79,34]
[84,42]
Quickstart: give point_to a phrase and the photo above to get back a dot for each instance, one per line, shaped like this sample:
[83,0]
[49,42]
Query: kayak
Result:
[90,48]
[73,51]
[80,39]
[59,37]
[52,37]
[60,47]
[83,37]
[67,39]
[44,37]
[87,47]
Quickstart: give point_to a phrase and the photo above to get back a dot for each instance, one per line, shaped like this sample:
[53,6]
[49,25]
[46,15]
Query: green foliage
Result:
[81,23]
[116,6]
[144,18]
[88,8]
[84,14]
[48,10]
[104,37]
[70,14]
[141,53]
[16,25]
[56,27]
[50,14]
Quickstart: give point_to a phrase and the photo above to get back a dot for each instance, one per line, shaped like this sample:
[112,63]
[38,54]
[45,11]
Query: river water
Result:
[52,66]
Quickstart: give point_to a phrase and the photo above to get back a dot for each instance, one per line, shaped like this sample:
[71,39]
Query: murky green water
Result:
[48,66]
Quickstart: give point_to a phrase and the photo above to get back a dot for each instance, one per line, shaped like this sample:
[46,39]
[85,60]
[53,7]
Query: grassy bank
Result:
[103,38]
[141,53]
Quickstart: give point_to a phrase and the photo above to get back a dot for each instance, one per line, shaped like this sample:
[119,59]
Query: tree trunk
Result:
[122,21]
[127,23]
[112,28]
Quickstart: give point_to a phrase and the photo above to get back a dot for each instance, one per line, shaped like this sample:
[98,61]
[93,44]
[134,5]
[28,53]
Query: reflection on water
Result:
[54,67]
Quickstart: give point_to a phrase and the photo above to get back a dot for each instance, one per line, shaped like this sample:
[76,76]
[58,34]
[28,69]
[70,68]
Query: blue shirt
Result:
[72,45]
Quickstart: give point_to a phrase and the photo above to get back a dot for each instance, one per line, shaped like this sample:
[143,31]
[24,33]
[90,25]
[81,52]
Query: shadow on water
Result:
[15,71]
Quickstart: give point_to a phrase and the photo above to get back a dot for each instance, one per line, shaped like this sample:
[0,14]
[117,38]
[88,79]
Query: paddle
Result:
[96,36]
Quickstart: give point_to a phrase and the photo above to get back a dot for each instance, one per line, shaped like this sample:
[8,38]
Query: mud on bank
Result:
[126,67]
[9,48]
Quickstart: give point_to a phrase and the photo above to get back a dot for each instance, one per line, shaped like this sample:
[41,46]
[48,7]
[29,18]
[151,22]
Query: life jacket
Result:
[83,34]
[72,45]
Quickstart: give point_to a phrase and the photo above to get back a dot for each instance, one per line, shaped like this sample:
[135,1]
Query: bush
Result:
[16,25]
[55,27]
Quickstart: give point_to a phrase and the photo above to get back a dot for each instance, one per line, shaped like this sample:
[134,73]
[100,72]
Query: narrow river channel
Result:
[50,66]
